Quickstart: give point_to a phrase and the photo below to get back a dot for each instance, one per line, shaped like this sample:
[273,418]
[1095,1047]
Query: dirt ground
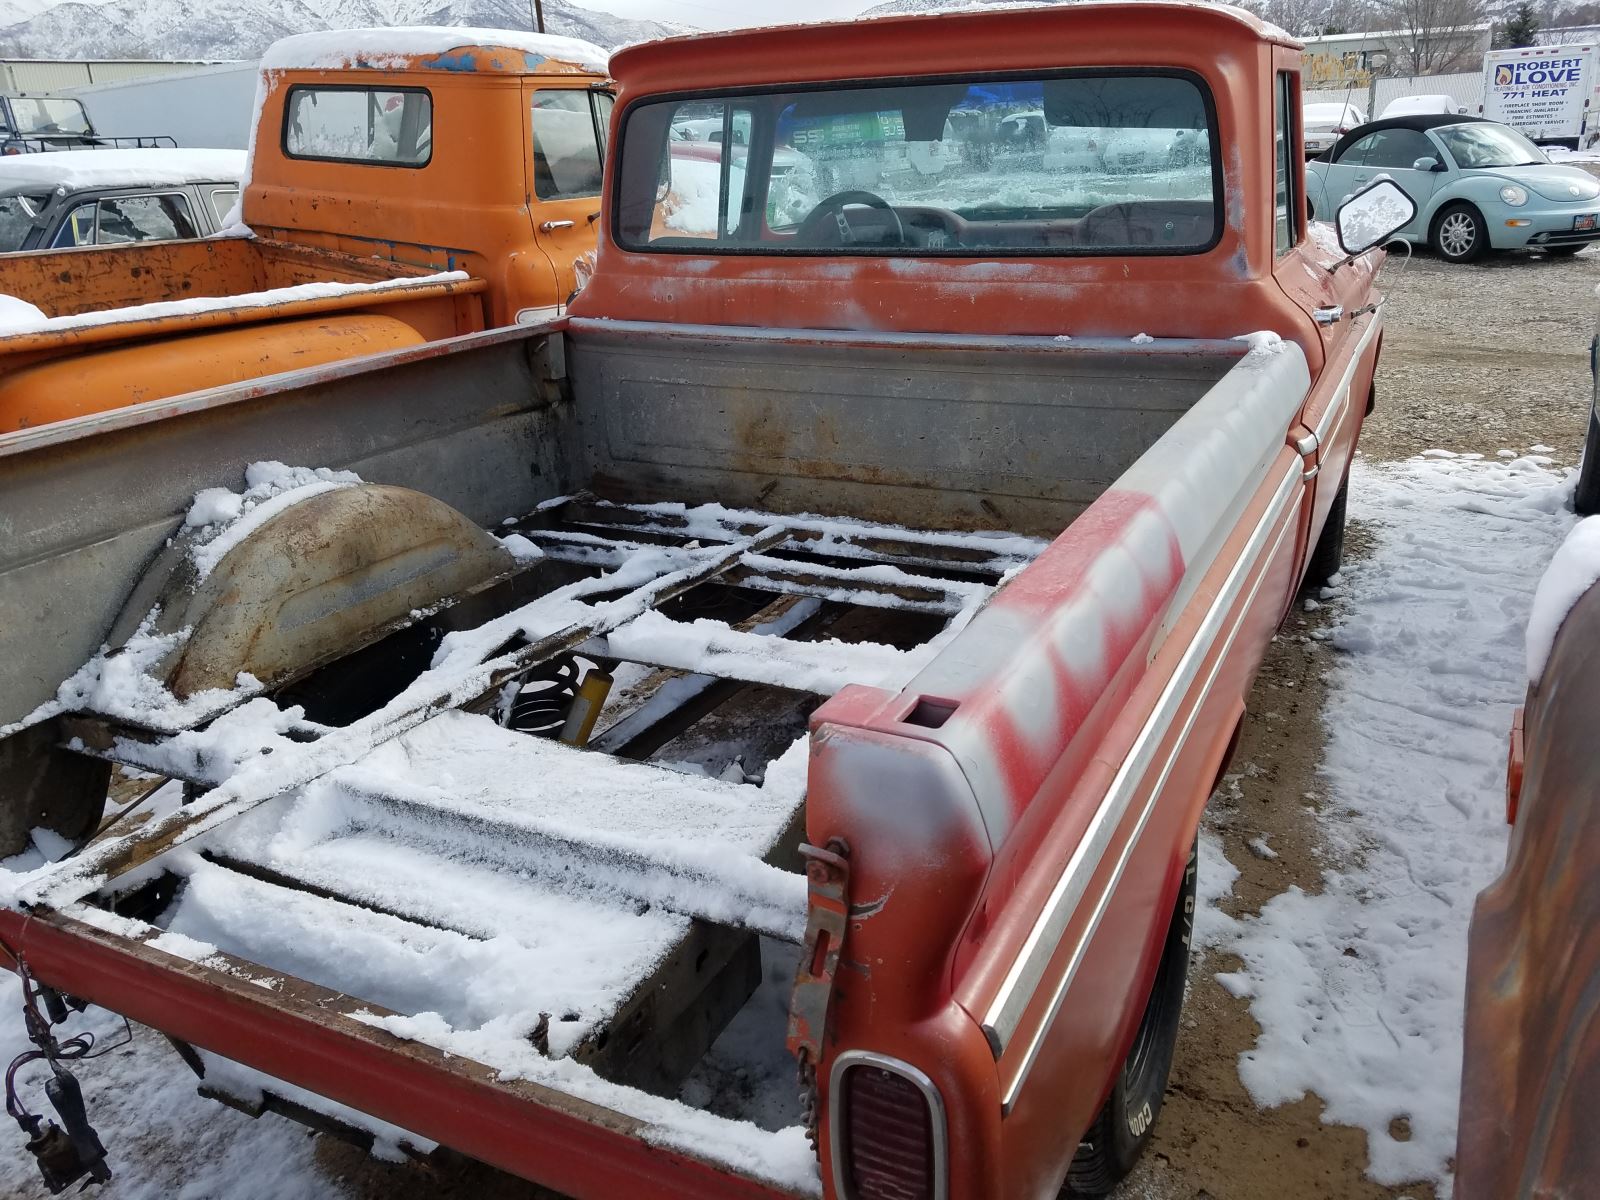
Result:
[1476,359]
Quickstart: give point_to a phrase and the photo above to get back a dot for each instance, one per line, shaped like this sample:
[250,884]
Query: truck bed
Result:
[107,281]
[513,946]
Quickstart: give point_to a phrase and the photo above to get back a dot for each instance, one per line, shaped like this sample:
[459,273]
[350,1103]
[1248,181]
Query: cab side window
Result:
[1287,184]
[76,230]
[162,218]
[114,220]
[1355,154]
[568,142]
[1398,149]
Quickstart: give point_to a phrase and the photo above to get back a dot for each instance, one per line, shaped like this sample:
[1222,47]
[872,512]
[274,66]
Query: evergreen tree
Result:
[1522,29]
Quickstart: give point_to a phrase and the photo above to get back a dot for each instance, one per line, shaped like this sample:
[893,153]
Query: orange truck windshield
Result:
[1074,163]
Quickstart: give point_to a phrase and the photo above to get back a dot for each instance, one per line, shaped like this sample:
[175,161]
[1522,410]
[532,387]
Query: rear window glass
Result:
[1086,163]
[384,127]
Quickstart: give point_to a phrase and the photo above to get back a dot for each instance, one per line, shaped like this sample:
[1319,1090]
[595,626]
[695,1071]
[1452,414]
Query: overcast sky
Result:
[731,14]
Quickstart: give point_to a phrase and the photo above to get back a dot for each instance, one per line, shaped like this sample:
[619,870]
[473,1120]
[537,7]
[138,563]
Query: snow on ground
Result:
[1359,989]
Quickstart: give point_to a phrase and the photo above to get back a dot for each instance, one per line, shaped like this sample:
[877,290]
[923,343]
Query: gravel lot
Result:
[1485,356]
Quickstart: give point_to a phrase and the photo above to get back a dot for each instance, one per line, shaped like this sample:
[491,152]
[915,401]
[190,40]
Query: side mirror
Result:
[1373,215]
[1427,163]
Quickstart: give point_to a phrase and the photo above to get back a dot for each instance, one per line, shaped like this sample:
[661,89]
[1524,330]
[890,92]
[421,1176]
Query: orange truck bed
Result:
[143,322]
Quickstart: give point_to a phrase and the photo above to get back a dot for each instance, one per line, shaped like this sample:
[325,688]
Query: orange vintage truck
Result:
[404,185]
[855,594]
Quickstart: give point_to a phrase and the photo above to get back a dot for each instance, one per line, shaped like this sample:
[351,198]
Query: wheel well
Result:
[1439,213]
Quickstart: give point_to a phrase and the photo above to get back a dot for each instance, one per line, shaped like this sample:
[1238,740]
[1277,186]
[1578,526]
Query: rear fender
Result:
[308,585]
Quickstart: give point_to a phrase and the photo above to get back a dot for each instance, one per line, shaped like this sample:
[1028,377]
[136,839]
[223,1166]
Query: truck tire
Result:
[1329,553]
[1112,1145]
[1459,234]
[1586,497]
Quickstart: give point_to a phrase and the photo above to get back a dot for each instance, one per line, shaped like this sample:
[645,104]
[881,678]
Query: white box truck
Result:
[1548,92]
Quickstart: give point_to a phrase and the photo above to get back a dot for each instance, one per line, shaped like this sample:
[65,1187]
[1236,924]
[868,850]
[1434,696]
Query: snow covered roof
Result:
[437,48]
[76,169]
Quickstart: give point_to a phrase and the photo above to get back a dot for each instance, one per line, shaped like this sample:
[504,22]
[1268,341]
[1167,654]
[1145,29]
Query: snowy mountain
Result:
[230,29]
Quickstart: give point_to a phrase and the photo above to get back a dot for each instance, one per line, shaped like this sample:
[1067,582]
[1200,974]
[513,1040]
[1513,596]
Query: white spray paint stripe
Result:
[1027,970]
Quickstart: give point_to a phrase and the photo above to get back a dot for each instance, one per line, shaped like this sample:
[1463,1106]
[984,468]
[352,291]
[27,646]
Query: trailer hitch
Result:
[827,920]
[70,1151]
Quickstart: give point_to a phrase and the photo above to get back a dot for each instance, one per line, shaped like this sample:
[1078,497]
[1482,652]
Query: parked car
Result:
[1478,185]
[1410,106]
[100,197]
[1325,123]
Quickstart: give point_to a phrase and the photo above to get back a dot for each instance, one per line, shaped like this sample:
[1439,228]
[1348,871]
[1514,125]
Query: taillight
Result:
[1340,129]
[889,1141]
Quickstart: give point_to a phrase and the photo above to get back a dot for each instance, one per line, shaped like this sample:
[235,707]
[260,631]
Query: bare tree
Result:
[1433,37]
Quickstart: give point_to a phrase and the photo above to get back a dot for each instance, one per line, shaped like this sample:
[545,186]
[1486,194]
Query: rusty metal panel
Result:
[1531,1071]
[85,506]
[1019,433]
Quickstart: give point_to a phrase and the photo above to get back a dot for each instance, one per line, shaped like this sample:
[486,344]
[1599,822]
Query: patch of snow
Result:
[1259,847]
[226,518]
[141,1096]
[1141,339]
[1263,341]
[207,304]
[1572,572]
[388,48]
[1359,989]
[16,313]
[1541,449]
[520,548]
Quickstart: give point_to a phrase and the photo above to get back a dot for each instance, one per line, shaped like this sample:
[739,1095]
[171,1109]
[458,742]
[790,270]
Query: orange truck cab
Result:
[404,185]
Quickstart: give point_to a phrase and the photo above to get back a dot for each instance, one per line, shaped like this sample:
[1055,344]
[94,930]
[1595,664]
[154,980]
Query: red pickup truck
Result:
[921,475]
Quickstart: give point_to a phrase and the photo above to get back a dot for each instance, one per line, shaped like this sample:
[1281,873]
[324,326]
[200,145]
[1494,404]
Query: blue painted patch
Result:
[532,61]
[459,60]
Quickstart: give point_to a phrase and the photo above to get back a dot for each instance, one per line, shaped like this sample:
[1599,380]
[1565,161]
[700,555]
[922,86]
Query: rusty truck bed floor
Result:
[585,918]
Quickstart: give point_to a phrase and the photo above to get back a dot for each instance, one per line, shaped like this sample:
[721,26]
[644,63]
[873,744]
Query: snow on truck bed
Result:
[487,889]
[18,317]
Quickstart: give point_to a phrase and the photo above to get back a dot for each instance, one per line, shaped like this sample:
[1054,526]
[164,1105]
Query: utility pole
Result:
[538,15]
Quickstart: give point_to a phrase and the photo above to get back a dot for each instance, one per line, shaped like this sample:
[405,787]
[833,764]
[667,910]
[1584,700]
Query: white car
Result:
[1325,123]
[1410,106]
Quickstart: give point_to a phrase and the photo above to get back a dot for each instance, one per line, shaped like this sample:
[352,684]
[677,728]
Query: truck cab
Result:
[477,157]
[376,155]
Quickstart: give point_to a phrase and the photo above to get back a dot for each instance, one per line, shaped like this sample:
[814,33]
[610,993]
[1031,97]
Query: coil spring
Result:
[543,701]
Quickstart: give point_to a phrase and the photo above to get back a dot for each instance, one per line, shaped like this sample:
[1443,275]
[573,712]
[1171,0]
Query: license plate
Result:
[1585,221]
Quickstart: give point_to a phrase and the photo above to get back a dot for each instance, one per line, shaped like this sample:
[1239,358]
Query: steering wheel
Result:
[828,216]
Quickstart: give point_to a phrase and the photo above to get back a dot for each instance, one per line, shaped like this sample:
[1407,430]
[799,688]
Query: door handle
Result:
[552,226]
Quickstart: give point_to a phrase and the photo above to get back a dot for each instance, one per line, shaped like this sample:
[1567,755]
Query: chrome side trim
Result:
[1231,589]
[930,1092]
[1342,393]
[1308,476]
[1004,1013]
[1306,444]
